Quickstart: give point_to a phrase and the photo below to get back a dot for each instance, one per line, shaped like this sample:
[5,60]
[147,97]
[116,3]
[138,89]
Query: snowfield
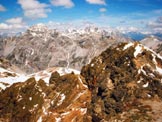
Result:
[44,75]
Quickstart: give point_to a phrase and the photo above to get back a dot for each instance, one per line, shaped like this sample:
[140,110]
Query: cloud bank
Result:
[100,2]
[64,3]
[13,25]
[34,9]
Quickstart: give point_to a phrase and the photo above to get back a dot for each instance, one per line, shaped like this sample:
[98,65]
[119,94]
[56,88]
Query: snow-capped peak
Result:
[38,28]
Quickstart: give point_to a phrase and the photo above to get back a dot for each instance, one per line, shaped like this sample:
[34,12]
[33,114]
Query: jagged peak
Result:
[139,48]
[38,28]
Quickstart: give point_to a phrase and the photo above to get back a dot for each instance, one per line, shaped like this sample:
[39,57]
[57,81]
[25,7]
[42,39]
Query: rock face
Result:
[152,42]
[40,48]
[159,49]
[64,99]
[126,84]
[4,63]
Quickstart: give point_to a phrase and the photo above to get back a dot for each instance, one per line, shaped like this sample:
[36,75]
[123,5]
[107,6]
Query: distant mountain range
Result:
[137,36]
[89,28]
[40,47]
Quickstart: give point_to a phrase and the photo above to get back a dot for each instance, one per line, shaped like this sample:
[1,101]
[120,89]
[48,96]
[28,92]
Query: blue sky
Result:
[125,15]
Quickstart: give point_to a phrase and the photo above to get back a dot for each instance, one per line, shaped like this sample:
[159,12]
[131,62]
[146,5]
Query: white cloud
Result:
[156,25]
[159,19]
[34,9]
[102,9]
[101,2]
[13,25]
[9,27]
[127,29]
[4,26]
[2,8]
[17,20]
[64,3]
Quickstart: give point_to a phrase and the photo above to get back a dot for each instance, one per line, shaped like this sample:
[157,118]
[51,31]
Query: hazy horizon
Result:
[125,15]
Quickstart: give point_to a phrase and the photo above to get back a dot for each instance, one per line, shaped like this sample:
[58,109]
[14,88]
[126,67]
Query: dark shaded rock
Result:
[17,101]
[54,77]
[159,49]
[121,79]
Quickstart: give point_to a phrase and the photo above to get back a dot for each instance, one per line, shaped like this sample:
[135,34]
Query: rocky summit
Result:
[122,84]
[126,84]
[63,99]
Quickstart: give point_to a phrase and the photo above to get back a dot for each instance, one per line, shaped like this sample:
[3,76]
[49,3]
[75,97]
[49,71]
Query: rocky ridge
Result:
[44,96]
[126,84]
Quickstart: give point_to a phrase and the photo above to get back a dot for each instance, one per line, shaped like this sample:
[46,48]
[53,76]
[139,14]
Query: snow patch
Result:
[40,119]
[80,94]
[38,88]
[66,113]
[58,119]
[2,86]
[11,80]
[149,95]
[159,69]
[138,50]
[37,78]
[139,71]
[146,85]
[83,110]
[44,111]
[61,100]
[154,53]
[127,46]
[92,65]
[19,97]
[47,79]
[30,98]
[36,105]
[2,70]
[143,71]
[52,102]
[63,71]
[156,40]
[43,94]
[82,82]
[44,75]
[152,75]
[139,81]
